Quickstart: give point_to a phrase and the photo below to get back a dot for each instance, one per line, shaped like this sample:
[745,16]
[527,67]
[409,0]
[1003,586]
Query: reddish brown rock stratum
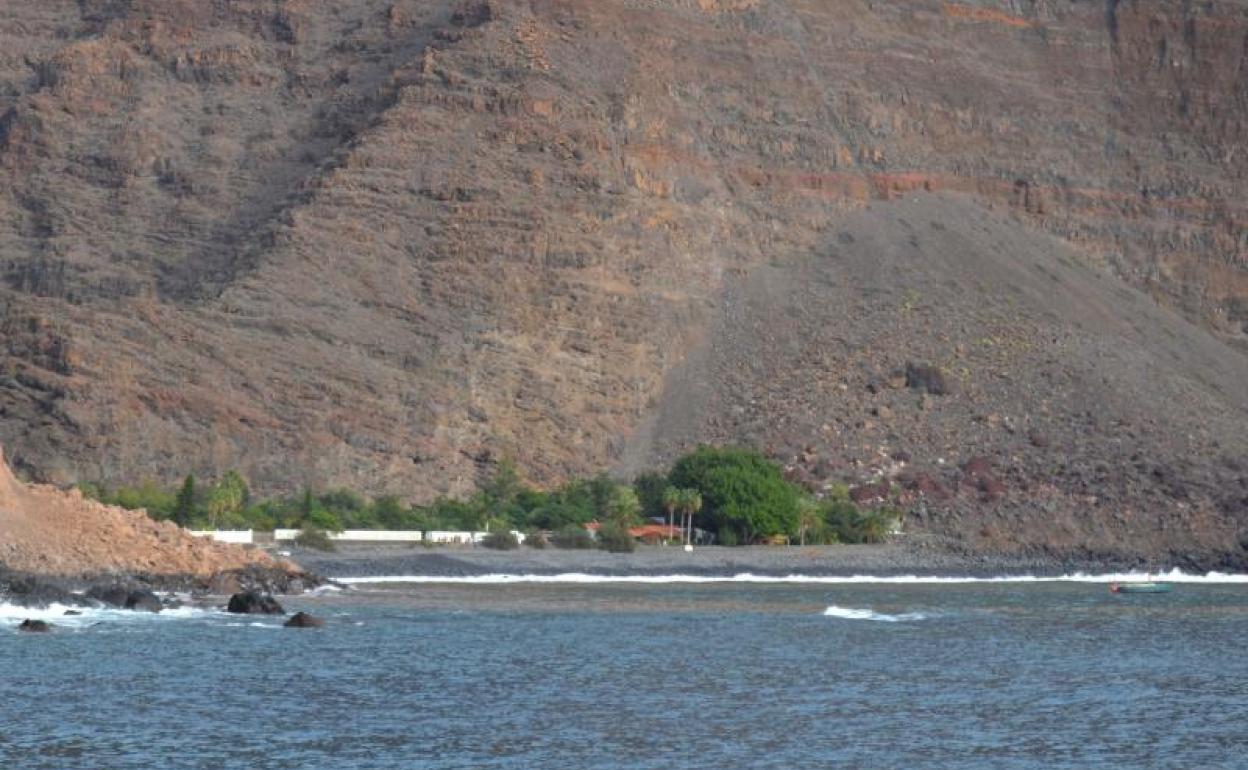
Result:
[47,531]
[382,242]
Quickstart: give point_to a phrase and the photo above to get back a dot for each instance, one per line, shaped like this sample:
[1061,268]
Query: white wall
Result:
[378,535]
[238,536]
[443,537]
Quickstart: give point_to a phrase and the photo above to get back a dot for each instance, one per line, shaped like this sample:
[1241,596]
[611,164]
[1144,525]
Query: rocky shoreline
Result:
[917,556]
[150,592]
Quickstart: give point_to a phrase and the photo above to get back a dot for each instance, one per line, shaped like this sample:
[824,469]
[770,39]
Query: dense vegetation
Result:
[735,495]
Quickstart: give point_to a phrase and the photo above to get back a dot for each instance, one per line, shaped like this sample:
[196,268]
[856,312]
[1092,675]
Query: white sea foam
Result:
[11,615]
[1173,576]
[850,613]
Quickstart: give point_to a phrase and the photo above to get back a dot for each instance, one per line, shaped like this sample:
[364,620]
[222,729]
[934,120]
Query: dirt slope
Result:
[1079,415]
[47,531]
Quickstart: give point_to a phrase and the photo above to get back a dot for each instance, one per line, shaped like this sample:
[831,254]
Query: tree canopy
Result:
[742,492]
[738,494]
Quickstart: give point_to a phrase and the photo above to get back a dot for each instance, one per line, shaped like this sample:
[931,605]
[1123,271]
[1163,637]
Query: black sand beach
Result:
[917,557]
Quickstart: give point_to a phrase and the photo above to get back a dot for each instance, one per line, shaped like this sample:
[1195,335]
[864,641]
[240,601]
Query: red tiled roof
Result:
[644,531]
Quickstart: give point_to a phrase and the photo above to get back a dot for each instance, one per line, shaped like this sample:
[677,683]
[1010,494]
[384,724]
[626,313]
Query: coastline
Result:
[920,558]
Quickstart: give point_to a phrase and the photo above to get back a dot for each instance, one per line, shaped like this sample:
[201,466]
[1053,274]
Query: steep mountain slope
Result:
[382,243]
[1071,411]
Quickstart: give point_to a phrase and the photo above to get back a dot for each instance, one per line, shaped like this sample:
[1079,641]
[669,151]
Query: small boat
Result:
[1140,587]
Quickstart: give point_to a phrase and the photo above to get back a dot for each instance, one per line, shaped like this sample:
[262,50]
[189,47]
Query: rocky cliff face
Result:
[381,243]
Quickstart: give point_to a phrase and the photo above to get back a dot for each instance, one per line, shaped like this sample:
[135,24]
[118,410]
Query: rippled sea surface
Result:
[645,676]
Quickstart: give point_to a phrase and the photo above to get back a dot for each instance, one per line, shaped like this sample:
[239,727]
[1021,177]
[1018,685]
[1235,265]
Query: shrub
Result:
[742,492]
[536,540]
[847,523]
[572,536]
[316,539]
[502,540]
[615,538]
[650,488]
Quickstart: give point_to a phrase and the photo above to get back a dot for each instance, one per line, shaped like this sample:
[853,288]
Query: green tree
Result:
[614,537]
[671,501]
[808,518]
[876,525]
[148,496]
[503,487]
[307,504]
[842,519]
[601,491]
[742,491]
[689,504]
[447,513]
[572,536]
[624,509]
[184,505]
[850,524]
[323,519]
[227,499]
[650,487]
[390,512]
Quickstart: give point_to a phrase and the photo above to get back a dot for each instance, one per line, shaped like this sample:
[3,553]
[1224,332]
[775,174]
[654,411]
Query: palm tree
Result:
[875,526]
[690,504]
[671,501]
[807,517]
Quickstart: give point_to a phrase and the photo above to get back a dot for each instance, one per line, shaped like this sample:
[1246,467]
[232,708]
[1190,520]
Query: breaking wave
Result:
[1174,576]
[13,614]
[849,613]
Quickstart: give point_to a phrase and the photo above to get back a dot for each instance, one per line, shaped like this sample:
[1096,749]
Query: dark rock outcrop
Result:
[109,595]
[34,626]
[268,580]
[143,600]
[125,597]
[32,591]
[254,603]
[304,620]
[929,379]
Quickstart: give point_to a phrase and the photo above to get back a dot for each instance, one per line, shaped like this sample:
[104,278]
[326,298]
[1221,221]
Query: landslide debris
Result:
[47,531]
[1056,409]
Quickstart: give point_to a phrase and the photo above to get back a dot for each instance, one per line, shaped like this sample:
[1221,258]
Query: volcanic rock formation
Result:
[382,243]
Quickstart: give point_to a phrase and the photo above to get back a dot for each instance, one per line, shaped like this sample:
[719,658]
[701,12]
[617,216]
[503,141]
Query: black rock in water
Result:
[304,620]
[254,603]
[111,595]
[34,626]
[32,591]
[141,600]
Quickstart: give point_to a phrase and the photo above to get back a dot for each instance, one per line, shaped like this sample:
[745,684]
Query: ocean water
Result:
[660,674]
